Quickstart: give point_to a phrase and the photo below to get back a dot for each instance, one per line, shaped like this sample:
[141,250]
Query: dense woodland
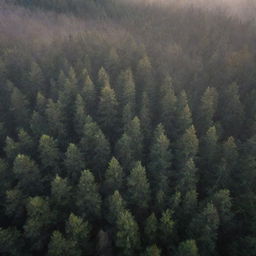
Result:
[134,135]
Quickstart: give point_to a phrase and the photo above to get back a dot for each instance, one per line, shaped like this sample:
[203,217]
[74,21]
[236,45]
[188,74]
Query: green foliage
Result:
[88,199]
[114,177]
[151,229]
[188,248]
[116,205]
[73,162]
[127,236]
[138,187]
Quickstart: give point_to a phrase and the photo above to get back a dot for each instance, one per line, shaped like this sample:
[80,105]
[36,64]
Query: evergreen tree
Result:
[134,131]
[49,153]
[204,228]
[207,110]
[88,199]
[160,159]
[73,162]
[153,251]
[116,205]
[138,187]
[77,232]
[151,229]
[80,115]
[124,151]
[107,111]
[127,236]
[188,248]
[166,229]
[38,222]
[11,242]
[95,147]
[183,116]
[232,111]
[187,146]
[60,197]
[27,174]
[113,177]
[167,105]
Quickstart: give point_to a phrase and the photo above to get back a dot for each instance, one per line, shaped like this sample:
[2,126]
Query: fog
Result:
[244,9]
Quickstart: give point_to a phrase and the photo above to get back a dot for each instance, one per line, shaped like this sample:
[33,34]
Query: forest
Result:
[127,128]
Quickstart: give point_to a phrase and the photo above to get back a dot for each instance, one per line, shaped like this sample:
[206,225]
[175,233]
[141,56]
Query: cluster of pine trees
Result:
[114,147]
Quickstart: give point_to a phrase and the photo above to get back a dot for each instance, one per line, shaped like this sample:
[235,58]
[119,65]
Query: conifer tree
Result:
[153,251]
[49,153]
[107,110]
[27,174]
[38,222]
[151,229]
[167,105]
[113,177]
[138,187]
[60,197]
[160,158]
[95,147]
[232,111]
[89,94]
[127,236]
[116,205]
[88,199]
[124,153]
[188,248]
[183,116]
[207,110]
[79,116]
[187,146]
[73,162]
[166,229]
[134,131]
[77,231]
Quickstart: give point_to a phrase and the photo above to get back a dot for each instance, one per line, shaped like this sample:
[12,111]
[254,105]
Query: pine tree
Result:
[166,229]
[11,242]
[134,131]
[126,89]
[89,94]
[79,116]
[232,112]
[74,163]
[183,116]
[103,79]
[160,158]
[187,147]
[116,205]
[107,111]
[188,248]
[88,199]
[27,174]
[138,187]
[167,105]
[60,197]
[58,245]
[204,228]
[207,110]
[95,147]
[127,236]
[49,153]
[123,151]
[151,229]
[55,120]
[38,222]
[113,177]
[77,231]
[153,251]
